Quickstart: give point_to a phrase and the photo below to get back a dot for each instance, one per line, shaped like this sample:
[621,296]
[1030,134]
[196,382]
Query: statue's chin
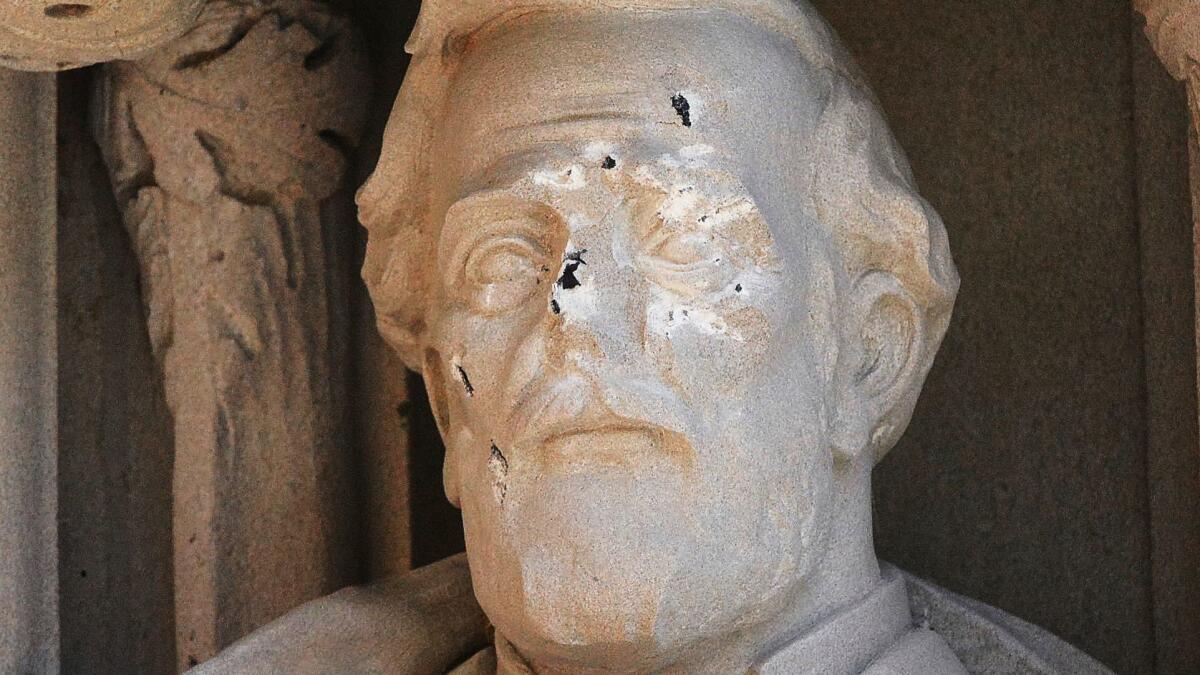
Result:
[601,567]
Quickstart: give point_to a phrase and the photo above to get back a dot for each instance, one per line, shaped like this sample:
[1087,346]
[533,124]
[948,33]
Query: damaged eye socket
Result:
[502,273]
[688,263]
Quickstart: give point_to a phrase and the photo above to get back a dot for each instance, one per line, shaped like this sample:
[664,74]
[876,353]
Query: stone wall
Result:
[1057,433]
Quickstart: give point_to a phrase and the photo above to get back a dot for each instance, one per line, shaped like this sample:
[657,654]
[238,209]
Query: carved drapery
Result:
[51,35]
[223,147]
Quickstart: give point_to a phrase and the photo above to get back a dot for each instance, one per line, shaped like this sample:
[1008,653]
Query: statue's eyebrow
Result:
[455,230]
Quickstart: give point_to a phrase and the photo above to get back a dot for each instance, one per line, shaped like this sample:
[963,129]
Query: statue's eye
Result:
[503,272]
[690,263]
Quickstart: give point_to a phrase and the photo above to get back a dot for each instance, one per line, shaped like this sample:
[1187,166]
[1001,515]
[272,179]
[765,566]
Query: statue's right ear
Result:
[883,364]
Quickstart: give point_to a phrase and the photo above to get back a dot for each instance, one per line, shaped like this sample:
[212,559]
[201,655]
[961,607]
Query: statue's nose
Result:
[598,309]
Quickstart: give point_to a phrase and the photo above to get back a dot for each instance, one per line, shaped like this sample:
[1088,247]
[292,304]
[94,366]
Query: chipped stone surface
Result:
[223,148]
[694,317]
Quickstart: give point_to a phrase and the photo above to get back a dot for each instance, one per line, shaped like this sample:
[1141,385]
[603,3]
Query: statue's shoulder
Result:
[425,621]
[989,640]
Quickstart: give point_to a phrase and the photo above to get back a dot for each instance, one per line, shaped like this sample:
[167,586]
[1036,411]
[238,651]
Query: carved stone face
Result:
[632,332]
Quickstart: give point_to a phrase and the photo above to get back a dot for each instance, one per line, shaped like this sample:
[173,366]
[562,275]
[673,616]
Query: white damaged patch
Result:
[571,178]
[668,314]
[682,203]
[598,150]
[578,303]
[696,151]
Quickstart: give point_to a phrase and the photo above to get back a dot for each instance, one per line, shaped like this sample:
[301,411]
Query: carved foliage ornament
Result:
[51,35]
[223,147]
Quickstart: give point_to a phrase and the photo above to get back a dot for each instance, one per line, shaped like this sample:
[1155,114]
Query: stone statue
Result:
[673,293]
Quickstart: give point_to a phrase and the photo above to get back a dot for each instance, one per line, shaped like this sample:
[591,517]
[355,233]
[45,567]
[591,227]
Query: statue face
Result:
[632,334]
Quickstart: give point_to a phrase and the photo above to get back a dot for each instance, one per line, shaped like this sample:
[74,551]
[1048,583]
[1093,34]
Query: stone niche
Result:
[1051,467]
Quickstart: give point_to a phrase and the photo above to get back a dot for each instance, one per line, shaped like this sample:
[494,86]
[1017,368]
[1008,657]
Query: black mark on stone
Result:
[738,288]
[498,465]
[682,108]
[501,462]
[322,55]
[609,163]
[572,263]
[67,10]
[466,381]
[554,307]
[338,142]
[83,574]
[201,58]
[192,662]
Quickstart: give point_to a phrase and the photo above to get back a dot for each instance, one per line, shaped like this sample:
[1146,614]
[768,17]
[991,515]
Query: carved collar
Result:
[848,642]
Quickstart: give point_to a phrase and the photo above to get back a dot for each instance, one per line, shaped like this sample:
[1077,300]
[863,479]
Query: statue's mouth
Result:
[566,427]
[615,444]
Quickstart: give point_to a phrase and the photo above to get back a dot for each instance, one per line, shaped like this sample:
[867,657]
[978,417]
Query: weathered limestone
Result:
[50,35]
[29,639]
[224,146]
[673,293]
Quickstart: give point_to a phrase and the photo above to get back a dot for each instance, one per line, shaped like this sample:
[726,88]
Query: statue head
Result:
[673,293]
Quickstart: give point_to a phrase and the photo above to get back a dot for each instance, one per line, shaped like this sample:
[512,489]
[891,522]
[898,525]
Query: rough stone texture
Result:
[1023,481]
[428,622]
[420,623]
[51,35]
[114,483]
[29,639]
[224,148]
[990,641]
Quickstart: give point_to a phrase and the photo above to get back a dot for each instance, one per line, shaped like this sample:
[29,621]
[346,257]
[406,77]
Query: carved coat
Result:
[427,622]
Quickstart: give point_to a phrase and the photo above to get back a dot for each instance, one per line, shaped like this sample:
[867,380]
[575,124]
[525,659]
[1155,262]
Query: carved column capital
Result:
[52,35]
[224,147]
[1173,27]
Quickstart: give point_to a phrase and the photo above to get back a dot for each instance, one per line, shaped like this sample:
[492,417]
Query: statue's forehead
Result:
[683,78]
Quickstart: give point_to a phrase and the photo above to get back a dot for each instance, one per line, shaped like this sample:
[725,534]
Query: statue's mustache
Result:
[575,403]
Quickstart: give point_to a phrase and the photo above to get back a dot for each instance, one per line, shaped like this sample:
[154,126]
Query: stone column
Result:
[225,148]
[29,641]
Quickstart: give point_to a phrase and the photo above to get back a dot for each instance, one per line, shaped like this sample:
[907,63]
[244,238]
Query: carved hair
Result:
[865,193]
